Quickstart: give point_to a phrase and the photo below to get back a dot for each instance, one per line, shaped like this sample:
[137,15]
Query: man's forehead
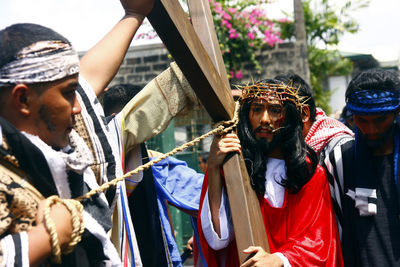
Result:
[267,99]
[373,116]
[274,93]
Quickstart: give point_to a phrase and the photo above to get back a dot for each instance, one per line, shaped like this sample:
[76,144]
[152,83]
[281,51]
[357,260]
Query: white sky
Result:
[84,22]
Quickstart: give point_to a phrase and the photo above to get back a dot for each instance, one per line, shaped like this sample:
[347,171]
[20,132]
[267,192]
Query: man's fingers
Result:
[231,135]
[230,148]
[252,259]
[252,249]
[229,141]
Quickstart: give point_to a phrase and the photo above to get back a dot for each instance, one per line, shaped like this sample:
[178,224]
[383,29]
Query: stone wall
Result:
[143,63]
[278,59]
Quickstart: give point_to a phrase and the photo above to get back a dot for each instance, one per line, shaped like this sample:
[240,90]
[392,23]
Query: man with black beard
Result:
[366,172]
[292,188]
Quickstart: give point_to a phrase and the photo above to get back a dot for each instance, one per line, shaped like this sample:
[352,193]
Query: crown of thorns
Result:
[282,92]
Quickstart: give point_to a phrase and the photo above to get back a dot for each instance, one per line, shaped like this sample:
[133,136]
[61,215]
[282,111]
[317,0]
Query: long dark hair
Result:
[294,148]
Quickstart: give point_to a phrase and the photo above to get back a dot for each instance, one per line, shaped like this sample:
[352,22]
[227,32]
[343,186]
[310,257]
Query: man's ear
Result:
[305,114]
[21,98]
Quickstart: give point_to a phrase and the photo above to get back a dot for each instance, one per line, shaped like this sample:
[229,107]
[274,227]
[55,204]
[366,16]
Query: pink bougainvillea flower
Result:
[239,74]
[226,23]
[247,29]
[218,8]
[232,10]
[226,16]
[251,36]
[233,34]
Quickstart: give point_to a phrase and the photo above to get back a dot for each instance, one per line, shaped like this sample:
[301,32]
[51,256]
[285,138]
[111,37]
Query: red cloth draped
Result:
[303,229]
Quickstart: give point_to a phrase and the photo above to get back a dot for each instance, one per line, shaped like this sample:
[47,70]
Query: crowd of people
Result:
[328,190]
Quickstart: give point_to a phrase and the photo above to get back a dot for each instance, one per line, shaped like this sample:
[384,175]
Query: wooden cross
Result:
[195,48]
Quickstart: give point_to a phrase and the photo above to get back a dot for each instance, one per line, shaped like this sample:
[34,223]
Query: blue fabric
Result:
[179,185]
[373,102]
[197,240]
[172,246]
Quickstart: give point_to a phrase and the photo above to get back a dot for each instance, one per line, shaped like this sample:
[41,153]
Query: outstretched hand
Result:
[261,258]
[137,7]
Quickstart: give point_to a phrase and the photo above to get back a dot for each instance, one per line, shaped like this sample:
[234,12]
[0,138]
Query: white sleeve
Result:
[15,250]
[225,219]
[285,260]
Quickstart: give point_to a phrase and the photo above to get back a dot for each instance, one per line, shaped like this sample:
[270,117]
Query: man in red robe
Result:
[292,188]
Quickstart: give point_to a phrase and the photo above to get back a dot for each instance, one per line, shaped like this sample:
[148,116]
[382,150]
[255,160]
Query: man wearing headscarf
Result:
[366,170]
[47,93]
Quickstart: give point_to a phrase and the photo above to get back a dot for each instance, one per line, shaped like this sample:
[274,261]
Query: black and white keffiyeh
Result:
[43,61]
[97,214]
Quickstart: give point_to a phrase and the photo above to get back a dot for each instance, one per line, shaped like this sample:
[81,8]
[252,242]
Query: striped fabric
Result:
[334,166]
[14,250]
[106,143]
[146,115]
[326,136]
[94,119]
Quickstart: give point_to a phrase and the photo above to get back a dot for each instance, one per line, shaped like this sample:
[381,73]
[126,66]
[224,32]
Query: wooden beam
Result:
[247,217]
[203,24]
[202,68]
[173,27]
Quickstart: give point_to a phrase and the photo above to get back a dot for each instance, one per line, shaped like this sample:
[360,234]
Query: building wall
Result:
[143,63]
[276,60]
[337,85]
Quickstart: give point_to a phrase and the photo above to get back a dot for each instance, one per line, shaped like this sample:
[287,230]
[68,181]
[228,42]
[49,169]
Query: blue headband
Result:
[373,102]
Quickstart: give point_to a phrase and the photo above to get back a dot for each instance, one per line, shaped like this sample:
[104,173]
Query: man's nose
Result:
[371,130]
[265,119]
[76,108]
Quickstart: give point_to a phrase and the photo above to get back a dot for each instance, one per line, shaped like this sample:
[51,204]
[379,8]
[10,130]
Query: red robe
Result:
[303,229]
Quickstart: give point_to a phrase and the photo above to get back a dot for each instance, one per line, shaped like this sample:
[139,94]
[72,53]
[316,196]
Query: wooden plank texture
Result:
[203,24]
[175,30]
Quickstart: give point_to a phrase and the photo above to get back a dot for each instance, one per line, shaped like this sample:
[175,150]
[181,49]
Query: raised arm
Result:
[101,63]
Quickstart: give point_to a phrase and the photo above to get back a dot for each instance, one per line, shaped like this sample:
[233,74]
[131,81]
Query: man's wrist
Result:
[285,261]
[132,14]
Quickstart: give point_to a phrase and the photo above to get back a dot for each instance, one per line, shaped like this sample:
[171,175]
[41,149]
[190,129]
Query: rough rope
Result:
[221,129]
[76,208]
